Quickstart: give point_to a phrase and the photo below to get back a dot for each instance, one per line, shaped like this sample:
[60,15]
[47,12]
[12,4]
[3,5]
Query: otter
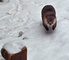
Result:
[1,0]
[49,17]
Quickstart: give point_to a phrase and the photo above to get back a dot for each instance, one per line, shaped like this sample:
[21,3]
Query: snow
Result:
[25,16]
[13,47]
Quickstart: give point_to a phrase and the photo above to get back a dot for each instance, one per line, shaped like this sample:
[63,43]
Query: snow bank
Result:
[13,47]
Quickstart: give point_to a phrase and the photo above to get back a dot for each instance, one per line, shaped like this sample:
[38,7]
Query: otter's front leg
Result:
[46,27]
[54,26]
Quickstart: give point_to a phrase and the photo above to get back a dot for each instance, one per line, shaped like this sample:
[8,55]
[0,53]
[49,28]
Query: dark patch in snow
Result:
[25,38]
[0,38]
[20,34]
[66,18]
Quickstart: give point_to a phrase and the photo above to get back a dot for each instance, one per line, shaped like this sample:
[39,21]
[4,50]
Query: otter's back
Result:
[48,9]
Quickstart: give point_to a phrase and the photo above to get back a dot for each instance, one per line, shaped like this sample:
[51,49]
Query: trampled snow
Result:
[25,16]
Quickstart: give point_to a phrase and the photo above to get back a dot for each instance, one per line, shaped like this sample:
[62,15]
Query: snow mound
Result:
[13,47]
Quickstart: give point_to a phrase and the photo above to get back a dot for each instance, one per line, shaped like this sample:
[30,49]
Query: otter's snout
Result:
[50,23]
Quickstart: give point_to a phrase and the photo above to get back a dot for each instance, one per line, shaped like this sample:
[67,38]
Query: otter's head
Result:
[50,19]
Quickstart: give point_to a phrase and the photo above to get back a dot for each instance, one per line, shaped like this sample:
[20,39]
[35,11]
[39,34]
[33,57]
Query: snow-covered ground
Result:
[25,16]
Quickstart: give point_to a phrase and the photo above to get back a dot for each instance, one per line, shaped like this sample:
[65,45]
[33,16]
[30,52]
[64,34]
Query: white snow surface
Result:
[13,47]
[25,16]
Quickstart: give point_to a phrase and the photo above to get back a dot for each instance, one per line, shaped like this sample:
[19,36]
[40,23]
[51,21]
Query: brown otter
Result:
[1,0]
[49,17]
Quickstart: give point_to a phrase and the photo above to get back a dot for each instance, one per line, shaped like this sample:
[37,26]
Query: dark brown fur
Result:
[1,0]
[48,14]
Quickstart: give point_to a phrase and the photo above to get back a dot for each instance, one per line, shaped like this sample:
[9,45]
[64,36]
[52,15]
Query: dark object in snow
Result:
[22,55]
[49,17]
[1,0]
[25,38]
[20,34]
